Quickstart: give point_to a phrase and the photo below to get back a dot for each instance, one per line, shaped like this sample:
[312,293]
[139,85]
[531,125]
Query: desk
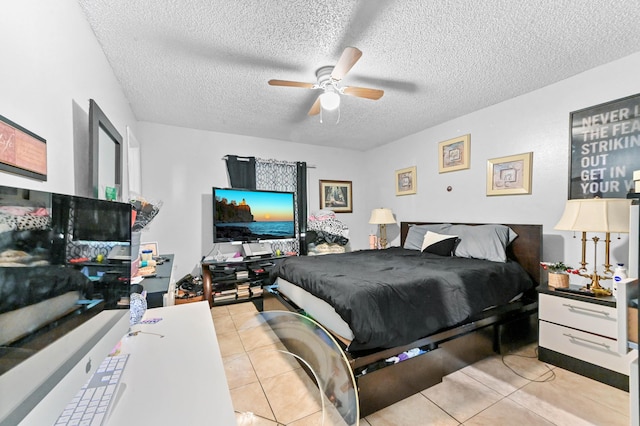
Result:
[177,378]
[158,286]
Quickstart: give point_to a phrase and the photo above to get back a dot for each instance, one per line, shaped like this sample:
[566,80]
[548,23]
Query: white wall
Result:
[52,65]
[537,122]
[180,166]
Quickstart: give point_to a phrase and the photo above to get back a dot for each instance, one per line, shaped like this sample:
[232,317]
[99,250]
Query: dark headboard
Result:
[526,249]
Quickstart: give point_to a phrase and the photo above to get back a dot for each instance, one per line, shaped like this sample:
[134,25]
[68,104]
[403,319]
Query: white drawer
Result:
[588,347]
[586,316]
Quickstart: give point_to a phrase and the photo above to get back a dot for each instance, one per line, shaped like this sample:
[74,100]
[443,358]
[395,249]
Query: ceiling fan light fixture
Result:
[330,100]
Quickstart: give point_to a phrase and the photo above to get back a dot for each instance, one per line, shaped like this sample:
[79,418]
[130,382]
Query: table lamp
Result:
[596,215]
[382,217]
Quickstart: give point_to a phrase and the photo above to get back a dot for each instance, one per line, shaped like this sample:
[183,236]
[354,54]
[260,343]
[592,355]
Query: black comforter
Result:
[24,286]
[395,296]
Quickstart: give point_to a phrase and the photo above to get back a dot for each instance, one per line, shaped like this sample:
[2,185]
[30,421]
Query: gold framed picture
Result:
[336,195]
[406,181]
[509,175]
[454,154]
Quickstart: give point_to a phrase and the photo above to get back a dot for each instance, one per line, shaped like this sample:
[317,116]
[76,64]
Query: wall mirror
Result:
[105,156]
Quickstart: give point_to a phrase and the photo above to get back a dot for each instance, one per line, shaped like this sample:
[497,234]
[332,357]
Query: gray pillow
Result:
[483,241]
[415,235]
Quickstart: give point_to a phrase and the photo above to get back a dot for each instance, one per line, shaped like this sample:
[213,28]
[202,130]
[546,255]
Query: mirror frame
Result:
[98,120]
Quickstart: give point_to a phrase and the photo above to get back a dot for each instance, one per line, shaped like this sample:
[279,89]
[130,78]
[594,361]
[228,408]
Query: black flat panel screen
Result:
[252,215]
[99,220]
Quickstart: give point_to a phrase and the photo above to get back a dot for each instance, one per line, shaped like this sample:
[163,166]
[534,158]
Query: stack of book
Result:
[242,274]
[224,291]
[256,290]
[242,290]
[224,295]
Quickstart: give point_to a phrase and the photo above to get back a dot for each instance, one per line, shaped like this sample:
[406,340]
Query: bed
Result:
[33,292]
[390,305]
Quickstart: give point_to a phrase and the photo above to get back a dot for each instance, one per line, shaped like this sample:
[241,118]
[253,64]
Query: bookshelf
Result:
[236,281]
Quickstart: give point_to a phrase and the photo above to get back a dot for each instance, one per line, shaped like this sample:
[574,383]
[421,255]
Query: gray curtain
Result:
[301,195]
[242,171]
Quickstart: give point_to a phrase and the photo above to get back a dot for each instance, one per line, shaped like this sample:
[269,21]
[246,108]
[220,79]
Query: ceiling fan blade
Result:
[288,83]
[315,108]
[363,92]
[348,59]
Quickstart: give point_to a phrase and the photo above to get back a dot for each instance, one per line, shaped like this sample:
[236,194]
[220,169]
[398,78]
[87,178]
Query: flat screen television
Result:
[252,215]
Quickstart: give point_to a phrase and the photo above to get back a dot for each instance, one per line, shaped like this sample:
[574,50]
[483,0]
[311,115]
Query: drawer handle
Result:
[580,308]
[570,336]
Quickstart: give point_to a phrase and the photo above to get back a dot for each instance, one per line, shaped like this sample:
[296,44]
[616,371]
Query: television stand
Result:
[234,281]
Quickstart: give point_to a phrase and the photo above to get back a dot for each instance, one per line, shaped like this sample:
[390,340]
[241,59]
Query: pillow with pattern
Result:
[442,245]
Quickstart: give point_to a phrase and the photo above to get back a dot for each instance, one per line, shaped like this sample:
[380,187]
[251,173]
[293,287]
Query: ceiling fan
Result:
[329,78]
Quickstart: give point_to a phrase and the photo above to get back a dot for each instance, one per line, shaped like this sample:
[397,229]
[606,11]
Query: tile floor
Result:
[270,389]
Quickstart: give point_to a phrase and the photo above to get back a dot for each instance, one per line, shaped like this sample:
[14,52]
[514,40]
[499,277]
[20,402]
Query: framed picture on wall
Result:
[454,154]
[22,152]
[604,149]
[336,195]
[509,175]
[406,181]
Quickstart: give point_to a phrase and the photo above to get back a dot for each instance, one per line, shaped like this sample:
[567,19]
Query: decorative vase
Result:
[558,279]
[137,307]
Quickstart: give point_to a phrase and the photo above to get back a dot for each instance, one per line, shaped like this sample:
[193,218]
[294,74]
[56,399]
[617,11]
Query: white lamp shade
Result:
[330,100]
[596,215]
[381,216]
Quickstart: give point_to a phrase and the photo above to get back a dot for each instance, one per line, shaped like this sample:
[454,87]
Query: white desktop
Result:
[35,391]
[174,372]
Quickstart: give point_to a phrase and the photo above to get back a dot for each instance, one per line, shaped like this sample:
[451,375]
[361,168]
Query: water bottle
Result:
[619,273]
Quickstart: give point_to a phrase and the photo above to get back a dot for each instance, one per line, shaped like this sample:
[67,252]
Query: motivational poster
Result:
[605,149]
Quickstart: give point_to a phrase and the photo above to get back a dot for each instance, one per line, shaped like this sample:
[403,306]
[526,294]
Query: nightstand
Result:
[579,333]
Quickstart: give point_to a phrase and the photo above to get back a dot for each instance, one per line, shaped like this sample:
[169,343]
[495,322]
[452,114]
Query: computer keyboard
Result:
[91,404]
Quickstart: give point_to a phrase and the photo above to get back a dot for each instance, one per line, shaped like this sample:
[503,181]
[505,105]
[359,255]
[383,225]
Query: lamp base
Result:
[596,288]
[383,236]
[598,292]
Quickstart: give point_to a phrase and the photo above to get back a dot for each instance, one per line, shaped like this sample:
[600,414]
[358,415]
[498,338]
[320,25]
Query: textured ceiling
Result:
[205,64]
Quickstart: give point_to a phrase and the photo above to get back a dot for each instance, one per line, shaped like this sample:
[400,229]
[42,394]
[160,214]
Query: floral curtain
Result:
[274,175]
